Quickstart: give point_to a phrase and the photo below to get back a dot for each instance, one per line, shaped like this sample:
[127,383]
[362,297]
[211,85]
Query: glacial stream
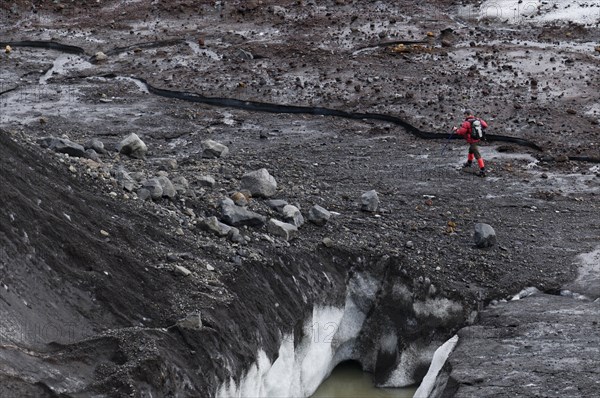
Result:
[349,381]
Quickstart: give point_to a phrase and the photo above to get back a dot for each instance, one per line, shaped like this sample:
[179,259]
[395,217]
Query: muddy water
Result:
[349,381]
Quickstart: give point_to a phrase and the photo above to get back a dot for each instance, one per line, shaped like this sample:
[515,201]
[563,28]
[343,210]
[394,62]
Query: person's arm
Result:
[462,130]
[483,123]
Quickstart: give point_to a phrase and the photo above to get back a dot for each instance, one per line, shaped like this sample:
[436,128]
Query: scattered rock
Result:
[291,214]
[369,201]
[99,57]
[133,146]
[181,185]
[236,216]
[144,194]
[259,183]
[318,215]
[213,149]
[92,155]
[166,164]
[212,224]
[282,229]
[63,145]
[327,242]
[484,235]
[276,204]
[96,145]
[192,321]
[124,180]
[154,188]
[168,190]
[182,270]
[239,199]
[206,181]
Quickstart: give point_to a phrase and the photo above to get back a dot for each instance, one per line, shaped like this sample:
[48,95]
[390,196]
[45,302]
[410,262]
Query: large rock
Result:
[206,181]
[168,189]
[281,229]
[133,146]
[96,145]
[154,187]
[236,216]
[369,201]
[484,235]
[276,204]
[318,215]
[212,224]
[292,215]
[259,183]
[213,149]
[63,145]
[181,184]
[541,346]
[124,180]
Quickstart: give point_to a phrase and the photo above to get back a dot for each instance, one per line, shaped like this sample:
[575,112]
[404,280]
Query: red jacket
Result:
[465,129]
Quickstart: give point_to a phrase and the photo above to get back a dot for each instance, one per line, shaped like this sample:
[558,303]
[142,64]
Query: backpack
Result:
[477,130]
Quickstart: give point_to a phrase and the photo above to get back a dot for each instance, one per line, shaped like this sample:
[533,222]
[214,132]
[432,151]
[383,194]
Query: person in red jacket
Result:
[465,130]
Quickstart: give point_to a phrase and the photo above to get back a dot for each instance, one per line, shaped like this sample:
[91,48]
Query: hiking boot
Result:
[481,173]
[467,164]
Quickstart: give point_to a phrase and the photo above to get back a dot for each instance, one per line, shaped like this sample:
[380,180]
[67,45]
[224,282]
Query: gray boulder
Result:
[165,164]
[63,145]
[133,146]
[259,183]
[181,184]
[276,204]
[168,189]
[484,235]
[281,229]
[96,145]
[318,215]
[213,149]
[291,214]
[124,180]
[154,187]
[369,201]
[192,321]
[236,216]
[92,155]
[206,181]
[212,224]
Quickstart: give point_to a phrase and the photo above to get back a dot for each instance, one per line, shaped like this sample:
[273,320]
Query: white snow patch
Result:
[437,363]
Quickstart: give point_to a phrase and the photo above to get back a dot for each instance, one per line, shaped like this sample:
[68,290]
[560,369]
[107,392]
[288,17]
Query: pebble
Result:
[182,270]
[327,242]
